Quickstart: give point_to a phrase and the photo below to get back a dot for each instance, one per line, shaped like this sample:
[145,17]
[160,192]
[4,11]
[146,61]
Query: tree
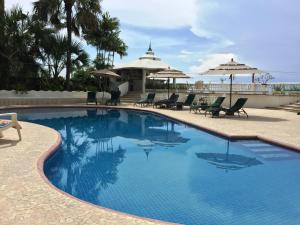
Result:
[74,15]
[55,57]
[2,8]
[264,79]
[106,39]
[18,50]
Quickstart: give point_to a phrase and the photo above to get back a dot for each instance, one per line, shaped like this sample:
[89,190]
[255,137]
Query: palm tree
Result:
[2,8]
[18,52]
[75,15]
[107,41]
[55,57]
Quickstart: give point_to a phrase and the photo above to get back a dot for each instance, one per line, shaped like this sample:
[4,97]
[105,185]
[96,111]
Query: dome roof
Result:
[147,61]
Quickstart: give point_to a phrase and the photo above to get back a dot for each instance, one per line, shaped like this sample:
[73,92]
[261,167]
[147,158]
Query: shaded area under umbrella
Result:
[167,74]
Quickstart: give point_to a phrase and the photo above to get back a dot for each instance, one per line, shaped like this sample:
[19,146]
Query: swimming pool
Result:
[154,167]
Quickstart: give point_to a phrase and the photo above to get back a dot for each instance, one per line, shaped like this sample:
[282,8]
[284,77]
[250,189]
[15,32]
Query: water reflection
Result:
[88,159]
[229,161]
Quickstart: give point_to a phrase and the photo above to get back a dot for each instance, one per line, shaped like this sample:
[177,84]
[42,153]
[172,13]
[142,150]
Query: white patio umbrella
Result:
[232,68]
[167,74]
[104,73]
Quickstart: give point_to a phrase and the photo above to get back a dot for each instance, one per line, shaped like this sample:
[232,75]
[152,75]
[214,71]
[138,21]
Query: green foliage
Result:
[19,52]
[20,88]
[106,38]
[55,55]
[83,80]
[74,15]
[33,55]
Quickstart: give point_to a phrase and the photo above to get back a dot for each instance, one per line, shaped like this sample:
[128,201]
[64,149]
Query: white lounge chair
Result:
[12,123]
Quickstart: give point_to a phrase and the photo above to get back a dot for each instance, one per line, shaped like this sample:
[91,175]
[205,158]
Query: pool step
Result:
[269,152]
[131,97]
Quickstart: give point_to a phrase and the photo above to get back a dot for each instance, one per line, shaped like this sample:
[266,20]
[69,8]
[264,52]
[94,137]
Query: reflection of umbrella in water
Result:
[229,161]
[165,138]
[146,145]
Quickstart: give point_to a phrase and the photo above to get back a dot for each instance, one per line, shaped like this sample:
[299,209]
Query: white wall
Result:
[75,97]
[46,97]
[124,88]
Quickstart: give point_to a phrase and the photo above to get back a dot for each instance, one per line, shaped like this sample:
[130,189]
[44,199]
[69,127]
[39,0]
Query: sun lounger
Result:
[12,123]
[188,102]
[115,98]
[173,99]
[148,101]
[91,97]
[236,108]
[217,104]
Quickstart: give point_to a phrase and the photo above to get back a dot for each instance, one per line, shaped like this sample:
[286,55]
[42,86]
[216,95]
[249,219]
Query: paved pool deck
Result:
[26,197]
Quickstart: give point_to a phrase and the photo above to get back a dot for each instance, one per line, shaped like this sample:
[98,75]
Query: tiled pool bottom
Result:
[153,167]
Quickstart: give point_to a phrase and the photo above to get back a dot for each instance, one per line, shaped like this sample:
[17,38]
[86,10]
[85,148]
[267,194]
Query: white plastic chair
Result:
[12,123]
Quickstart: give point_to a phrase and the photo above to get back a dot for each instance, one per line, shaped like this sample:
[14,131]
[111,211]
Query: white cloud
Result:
[211,61]
[25,4]
[167,14]
[154,13]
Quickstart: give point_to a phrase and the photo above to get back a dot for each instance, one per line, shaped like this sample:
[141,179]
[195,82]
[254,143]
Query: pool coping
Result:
[47,154]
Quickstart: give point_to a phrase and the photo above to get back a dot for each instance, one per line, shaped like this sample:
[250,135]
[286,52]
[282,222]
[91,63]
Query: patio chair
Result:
[173,98]
[12,123]
[188,102]
[91,97]
[203,106]
[115,98]
[172,101]
[236,108]
[148,101]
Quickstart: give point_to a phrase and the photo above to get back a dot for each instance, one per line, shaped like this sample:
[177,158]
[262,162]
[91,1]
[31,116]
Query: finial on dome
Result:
[150,49]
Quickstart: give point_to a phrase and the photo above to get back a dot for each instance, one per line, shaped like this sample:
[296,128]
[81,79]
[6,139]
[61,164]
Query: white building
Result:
[136,72]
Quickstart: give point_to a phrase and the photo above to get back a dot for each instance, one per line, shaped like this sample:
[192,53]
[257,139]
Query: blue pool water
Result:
[151,166]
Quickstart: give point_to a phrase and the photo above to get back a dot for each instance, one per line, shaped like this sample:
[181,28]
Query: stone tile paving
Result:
[26,198]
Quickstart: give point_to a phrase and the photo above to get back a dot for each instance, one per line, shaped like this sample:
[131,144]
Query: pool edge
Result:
[40,167]
[45,155]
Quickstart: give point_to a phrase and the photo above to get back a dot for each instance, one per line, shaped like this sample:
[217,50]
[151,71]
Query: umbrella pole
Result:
[168,87]
[230,94]
[102,90]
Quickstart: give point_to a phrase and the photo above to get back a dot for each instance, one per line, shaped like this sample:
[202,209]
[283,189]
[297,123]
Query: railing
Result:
[286,87]
[273,88]
[239,88]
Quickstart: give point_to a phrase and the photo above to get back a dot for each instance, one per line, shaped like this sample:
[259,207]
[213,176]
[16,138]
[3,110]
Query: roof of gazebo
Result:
[148,61]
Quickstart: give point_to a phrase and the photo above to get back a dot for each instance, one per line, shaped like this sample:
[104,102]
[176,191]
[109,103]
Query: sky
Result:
[195,35]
